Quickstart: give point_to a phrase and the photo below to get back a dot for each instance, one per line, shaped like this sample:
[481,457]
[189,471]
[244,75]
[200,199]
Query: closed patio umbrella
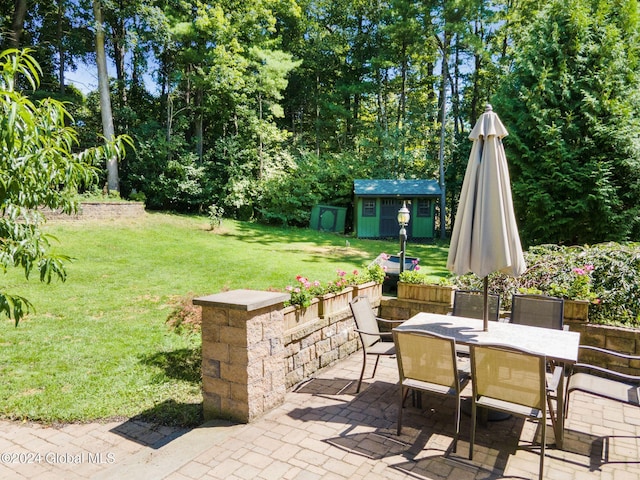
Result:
[485,234]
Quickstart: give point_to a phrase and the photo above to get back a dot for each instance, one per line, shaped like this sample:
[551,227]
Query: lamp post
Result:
[403,220]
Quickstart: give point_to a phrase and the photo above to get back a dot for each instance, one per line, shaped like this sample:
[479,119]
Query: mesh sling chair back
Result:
[513,381]
[601,381]
[428,363]
[538,311]
[470,303]
[370,335]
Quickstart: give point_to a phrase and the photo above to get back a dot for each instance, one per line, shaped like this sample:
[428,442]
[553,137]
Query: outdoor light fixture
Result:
[403,220]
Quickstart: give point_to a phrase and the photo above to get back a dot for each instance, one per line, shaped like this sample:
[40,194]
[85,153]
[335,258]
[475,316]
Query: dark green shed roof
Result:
[396,188]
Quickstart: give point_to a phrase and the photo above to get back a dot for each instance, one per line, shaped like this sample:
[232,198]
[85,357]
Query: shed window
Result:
[424,208]
[368,208]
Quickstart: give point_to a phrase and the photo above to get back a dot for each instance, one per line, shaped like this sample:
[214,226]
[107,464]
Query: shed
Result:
[328,218]
[377,203]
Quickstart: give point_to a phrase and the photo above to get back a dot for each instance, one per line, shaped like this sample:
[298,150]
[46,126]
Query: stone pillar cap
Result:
[247,300]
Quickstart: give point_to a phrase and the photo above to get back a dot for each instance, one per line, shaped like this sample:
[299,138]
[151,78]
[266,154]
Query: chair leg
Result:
[403,395]
[375,367]
[543,442]
[473,428]
[552,414]
[364,365]
[455,439]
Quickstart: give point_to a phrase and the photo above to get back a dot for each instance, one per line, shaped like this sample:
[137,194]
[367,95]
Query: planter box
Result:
[391,265]
[576,310]
[295,315]
[426,293]
[331,303]
[371,290]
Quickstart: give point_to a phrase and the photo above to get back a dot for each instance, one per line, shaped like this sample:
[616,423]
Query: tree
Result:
[113,182]
[37,169]
[572,107]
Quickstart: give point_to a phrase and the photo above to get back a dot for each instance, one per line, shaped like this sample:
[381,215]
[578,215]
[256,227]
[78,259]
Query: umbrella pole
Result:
[485,311]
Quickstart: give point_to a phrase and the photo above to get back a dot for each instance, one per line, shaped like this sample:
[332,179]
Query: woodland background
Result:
[267,107]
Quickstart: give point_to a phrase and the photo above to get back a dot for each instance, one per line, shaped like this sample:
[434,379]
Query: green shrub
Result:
[606,274]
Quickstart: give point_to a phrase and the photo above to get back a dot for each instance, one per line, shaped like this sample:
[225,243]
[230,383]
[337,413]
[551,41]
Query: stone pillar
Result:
[243,369]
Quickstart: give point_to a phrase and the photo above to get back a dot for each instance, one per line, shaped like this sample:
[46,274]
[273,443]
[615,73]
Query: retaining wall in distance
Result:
[100,210]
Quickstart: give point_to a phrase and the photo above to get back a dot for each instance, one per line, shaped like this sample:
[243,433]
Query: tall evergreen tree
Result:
[572,107]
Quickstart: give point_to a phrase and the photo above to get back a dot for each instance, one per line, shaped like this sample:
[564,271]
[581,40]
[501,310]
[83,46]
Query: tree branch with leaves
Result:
[38,169]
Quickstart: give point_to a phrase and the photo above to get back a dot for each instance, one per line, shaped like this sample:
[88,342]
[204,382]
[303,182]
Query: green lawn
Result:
[99,346]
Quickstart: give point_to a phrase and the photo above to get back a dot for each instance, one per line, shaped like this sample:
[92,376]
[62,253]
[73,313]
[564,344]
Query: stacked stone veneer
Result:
[243,365]
[249,361]
[625,340]
[100,210]
[317,344]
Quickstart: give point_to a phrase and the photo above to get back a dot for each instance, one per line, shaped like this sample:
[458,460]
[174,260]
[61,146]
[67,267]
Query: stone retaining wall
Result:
[624,340]
[317,344]
[100,210]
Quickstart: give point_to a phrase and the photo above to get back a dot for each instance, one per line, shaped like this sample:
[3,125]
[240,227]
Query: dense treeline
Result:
[267,107]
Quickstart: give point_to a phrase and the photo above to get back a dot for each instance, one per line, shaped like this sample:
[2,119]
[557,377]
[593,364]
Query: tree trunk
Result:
[62,59]
[113,182]
[17,23]
[443,107]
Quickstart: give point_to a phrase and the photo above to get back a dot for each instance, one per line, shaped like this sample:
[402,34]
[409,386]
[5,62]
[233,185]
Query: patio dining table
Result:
[560,346]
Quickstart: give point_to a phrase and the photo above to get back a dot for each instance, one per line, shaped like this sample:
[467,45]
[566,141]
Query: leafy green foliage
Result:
[38,168]
[572,107]
[606,274]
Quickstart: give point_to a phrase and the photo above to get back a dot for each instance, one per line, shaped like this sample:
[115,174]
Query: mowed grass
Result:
[99,346]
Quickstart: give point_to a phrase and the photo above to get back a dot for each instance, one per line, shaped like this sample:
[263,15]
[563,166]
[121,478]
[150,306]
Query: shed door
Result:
[389,218]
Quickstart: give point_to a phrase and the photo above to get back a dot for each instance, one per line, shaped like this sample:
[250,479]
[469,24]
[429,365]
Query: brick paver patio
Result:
[327,431]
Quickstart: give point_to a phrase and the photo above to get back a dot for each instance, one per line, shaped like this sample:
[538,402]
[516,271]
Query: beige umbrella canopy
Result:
[485,234]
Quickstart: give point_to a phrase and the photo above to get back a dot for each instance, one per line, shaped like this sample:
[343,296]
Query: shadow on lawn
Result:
[347,248]
[184,365]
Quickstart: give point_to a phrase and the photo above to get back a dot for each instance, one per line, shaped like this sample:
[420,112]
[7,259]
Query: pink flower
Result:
[296,290]
[417,267]
[341,273]
[579,271]
[355,272]
[589,268]
[384,256]
[289,288]
[316,283]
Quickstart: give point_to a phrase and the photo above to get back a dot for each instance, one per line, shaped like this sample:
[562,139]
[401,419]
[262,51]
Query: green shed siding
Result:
[368,227]
[423,226]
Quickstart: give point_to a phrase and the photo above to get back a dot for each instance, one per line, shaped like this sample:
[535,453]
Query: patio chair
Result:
[513,381]
[600,381]
[370,335]
[428,363]
[470,303]
[538,311]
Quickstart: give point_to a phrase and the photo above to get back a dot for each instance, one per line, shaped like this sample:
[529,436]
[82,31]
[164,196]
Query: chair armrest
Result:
[552,383]
[606,371]
[390,322]
[610,352]
[377,334]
